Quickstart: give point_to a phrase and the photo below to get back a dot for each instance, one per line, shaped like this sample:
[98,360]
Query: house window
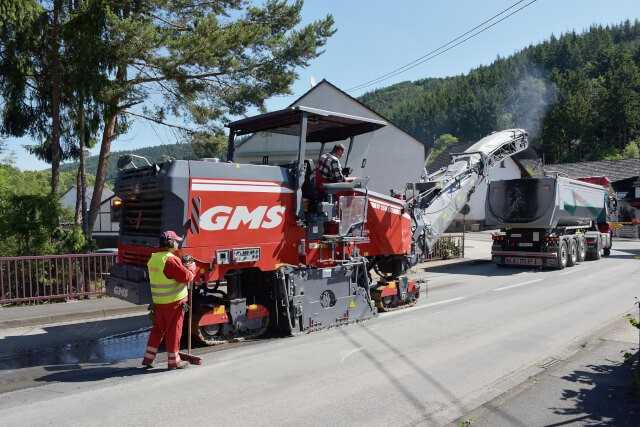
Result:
[502,164]
[265,160]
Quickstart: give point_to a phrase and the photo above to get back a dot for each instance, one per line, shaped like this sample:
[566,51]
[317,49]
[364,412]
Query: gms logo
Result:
[231,217]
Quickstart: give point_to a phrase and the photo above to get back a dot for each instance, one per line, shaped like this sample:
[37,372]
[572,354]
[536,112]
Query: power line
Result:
[449,45]
[439,48]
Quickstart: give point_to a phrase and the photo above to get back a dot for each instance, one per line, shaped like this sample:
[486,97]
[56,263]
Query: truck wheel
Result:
[572,258]
[582,249]
[607,251]
[563,255]
[598,251]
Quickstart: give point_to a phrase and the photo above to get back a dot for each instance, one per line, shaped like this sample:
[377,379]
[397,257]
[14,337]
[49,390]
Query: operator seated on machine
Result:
[169,279]
[329,168]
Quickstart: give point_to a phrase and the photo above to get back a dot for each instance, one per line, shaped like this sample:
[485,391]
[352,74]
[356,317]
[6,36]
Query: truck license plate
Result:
[523,261]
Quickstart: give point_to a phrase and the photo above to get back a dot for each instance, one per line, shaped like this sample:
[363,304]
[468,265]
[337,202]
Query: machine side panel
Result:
[203,169]
[234,212]
[175,183]
[389,227]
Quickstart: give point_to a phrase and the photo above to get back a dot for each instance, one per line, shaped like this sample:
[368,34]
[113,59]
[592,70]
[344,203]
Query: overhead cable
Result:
[457,41]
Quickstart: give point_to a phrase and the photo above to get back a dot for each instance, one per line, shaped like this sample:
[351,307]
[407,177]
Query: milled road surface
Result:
[479,332]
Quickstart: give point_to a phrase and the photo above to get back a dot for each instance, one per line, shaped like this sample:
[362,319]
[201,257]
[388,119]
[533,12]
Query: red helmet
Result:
[171,235]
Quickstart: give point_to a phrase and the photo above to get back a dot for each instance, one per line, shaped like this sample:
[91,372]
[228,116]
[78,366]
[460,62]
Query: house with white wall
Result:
[390,157]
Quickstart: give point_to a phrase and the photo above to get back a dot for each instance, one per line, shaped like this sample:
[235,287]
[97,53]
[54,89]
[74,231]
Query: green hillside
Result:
[577,94]
[17,182]
[153,154]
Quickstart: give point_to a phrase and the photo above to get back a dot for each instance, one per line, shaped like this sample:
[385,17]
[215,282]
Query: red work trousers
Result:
[167,326]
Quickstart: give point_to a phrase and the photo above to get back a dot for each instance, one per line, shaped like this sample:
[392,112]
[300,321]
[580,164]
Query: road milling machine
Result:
[276,250]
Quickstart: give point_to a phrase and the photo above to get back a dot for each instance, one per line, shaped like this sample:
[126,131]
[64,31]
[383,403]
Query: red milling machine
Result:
[272,247]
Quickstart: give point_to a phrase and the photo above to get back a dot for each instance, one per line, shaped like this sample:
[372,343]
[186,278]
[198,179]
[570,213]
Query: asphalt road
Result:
[479,332]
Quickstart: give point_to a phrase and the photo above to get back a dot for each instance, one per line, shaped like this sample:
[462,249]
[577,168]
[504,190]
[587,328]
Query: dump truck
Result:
[275,248]
[552,221]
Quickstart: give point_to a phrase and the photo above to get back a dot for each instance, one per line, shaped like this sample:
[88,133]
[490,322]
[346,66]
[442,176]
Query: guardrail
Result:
[33,279]
[448,246]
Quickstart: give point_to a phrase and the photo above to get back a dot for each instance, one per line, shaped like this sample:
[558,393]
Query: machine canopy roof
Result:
[322,125]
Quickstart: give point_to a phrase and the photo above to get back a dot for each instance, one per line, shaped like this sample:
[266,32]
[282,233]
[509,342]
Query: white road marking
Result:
[350,353]
[572,270]
[420,307]
[528,282]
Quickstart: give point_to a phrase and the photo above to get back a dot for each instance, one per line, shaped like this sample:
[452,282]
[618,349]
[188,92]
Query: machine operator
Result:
[169,279]
[329,167]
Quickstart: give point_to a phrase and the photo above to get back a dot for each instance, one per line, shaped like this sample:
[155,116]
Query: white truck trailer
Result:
[552,221]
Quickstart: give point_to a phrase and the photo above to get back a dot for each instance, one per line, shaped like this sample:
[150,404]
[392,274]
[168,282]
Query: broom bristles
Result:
[194,360]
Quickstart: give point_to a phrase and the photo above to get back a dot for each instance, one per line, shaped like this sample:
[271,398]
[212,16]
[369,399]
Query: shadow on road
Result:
[420,405]
[424,409]
[605,396]
[103,341]
[486,269]
[94,373]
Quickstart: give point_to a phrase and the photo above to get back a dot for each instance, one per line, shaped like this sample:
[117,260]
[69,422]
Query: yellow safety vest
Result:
[163,289]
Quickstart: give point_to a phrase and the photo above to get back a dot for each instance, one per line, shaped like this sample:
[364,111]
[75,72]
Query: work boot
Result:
[180,365]
[147,364]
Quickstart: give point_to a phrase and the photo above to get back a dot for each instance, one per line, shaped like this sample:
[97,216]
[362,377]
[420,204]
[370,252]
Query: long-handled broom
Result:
[194,360]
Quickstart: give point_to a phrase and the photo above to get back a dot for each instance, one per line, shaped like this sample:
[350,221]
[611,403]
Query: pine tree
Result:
[209,60]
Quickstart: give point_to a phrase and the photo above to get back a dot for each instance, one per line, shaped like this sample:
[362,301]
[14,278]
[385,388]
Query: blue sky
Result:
[377,36]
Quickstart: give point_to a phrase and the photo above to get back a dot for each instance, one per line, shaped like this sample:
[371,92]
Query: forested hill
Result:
[156,153]
[577,94]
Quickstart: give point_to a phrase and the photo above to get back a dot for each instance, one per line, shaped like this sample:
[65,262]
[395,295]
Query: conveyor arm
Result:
[436,201]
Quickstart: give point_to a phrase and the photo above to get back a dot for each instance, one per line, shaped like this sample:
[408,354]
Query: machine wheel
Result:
[563,255]
[582,250]
[207,335]
[572,258]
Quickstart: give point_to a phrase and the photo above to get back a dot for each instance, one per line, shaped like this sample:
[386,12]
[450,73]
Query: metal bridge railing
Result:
[32,279]
[448,246]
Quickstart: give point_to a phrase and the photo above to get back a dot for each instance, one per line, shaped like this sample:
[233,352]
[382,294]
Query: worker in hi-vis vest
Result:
[169,280]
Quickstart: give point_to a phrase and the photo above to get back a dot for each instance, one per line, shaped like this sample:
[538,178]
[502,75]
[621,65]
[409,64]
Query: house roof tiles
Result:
[615,170]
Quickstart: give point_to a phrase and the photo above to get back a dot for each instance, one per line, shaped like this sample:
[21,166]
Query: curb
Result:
[65,317]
